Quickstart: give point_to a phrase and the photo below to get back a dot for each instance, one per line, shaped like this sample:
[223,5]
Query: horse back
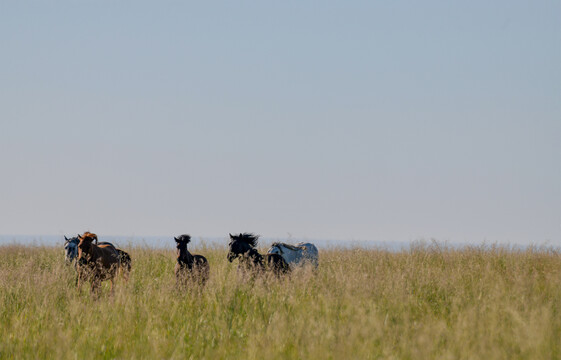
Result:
[108,246]
[200,260]
[200,264]
[310,253]
[107,255]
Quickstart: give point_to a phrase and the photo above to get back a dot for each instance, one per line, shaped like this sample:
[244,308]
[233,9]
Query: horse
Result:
[242,246]
[189,266]
[71,249]
[295,255]
[71,253]
[96,263]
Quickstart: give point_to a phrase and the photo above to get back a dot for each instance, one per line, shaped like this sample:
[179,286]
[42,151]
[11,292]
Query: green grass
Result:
[427,302]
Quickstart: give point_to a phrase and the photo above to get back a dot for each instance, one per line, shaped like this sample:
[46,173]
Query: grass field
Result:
[427,302]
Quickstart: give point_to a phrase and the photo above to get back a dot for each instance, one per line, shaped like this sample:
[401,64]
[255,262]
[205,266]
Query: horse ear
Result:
[176,239]
[65,238]
[231,236]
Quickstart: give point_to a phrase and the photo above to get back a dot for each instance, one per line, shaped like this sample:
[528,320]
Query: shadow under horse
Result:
[243,247]
[189,267]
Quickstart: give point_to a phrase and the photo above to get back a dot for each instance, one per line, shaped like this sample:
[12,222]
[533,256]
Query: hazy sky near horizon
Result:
[344,120]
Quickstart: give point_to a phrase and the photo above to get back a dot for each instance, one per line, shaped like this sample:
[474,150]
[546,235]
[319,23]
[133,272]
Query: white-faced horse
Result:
[71,248]
[298,254]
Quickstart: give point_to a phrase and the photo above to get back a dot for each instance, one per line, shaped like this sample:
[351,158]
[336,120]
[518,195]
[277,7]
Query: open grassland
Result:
[423,303]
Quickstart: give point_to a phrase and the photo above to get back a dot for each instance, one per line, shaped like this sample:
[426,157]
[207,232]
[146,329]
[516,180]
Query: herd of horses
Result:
[99,261]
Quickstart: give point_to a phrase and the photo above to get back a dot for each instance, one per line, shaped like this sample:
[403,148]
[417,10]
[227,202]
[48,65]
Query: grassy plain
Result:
[423,303]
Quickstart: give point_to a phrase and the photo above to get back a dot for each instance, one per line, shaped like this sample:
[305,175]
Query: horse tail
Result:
[125,262]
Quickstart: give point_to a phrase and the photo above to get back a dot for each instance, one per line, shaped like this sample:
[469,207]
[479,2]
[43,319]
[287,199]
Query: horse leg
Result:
[205,272]
[126,271]
[79,280]
[93,287]
[96,287]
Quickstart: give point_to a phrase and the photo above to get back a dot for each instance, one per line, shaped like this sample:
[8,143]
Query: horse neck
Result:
[254,255]
[94,253]
[72,249]
[184,257]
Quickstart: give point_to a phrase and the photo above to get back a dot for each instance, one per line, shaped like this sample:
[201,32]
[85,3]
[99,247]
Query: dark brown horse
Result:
[71,253]
[124,257]
[96,263]
[243,246]
[189,267]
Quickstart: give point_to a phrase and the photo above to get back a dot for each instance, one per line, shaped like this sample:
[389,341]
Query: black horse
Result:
[242,246]
[189,266]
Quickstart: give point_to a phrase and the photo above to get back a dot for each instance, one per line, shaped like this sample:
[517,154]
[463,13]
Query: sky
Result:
[342,120]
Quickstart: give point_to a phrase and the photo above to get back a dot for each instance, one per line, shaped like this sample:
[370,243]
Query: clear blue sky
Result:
[344,120]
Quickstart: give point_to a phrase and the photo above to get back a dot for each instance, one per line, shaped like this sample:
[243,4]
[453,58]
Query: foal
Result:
[189,267]
[96,263]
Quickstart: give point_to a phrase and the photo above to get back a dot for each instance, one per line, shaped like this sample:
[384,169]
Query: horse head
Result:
[182,240]
[85,246]
[70,248]
[241,244]
[183,254]
[276,248]
[92,235]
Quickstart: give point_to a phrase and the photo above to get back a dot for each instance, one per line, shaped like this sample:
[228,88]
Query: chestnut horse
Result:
[189,266]
[96,263]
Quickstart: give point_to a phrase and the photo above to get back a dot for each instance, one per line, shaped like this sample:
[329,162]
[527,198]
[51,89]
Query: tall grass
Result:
[426,302]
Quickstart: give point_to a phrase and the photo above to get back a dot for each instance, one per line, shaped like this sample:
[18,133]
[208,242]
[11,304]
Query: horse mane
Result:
[183,238]
[248,238]
[288,246]
[88,234]
[70,240]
